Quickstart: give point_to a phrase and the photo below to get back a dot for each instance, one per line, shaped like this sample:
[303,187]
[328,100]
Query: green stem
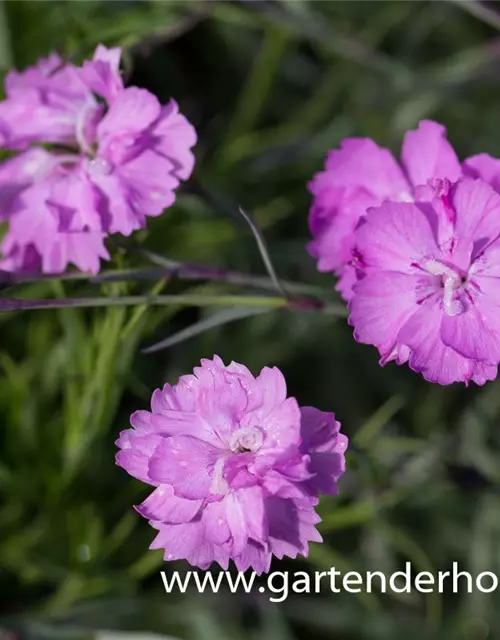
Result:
[180,270]
[264,302]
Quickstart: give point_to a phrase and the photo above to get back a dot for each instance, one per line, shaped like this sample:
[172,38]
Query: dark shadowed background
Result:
[270,87]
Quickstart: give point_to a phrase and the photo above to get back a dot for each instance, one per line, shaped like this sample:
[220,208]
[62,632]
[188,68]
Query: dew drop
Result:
[99,166]
[31,167]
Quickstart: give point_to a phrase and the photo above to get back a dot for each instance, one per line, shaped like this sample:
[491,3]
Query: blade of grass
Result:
[188,271]
[217,320]
[378,420]
[479,11]
[140,311]
[266,258]
[187,300]
[19,304]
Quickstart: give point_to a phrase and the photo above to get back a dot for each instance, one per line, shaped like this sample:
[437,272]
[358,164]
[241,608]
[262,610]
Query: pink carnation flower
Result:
[360,175]
[116,160]
[429,291]
[236,465]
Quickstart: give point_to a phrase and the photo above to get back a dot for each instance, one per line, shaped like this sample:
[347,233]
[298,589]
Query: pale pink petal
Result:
[239,471]
[174,136]
[149,181]
[427,154]
[429,355]
[254,556]
[136,451]
[133,110]
[483,373]
[164,399]
[276,484]
[346,282]
[187,464]
[25,259]
[75,202]
[83,249]
[477,208]
[487,263]
[34,75]
[333,219]
[221,400]
[164,506]
[251,500]
[119,213]
[281,426]
[188,541]
[381,305]
[111,56]
[362,163]
[101,74]
[475,333]
[216,524]
[485,167]
[245,517]
[265,393]
[319,430]
[286,539]
[395,237]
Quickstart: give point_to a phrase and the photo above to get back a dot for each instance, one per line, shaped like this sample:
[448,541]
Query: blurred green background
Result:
[270,86]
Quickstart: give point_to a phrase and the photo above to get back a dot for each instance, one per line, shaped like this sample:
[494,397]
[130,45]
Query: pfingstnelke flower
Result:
[237,466]
[360,175]
[429,287]
[116,156]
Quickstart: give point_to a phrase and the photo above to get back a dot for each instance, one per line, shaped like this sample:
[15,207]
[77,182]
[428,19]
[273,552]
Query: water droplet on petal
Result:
[404,196]
[99,166]
[31,167]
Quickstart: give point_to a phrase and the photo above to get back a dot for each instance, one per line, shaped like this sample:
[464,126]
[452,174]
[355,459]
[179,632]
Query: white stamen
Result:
[437,268]
[452,307]
[246,439]
[452,282]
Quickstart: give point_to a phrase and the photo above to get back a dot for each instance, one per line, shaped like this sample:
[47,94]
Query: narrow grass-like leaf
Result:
[19,304]
[480,11]
[216,320]
[378,420]
[264,252]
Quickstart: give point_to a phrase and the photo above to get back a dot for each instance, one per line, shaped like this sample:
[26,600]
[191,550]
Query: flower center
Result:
[246,439]
[452,282]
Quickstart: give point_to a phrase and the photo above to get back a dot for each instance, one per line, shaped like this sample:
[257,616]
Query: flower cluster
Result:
[89,158]
[236,465]
[417,250]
